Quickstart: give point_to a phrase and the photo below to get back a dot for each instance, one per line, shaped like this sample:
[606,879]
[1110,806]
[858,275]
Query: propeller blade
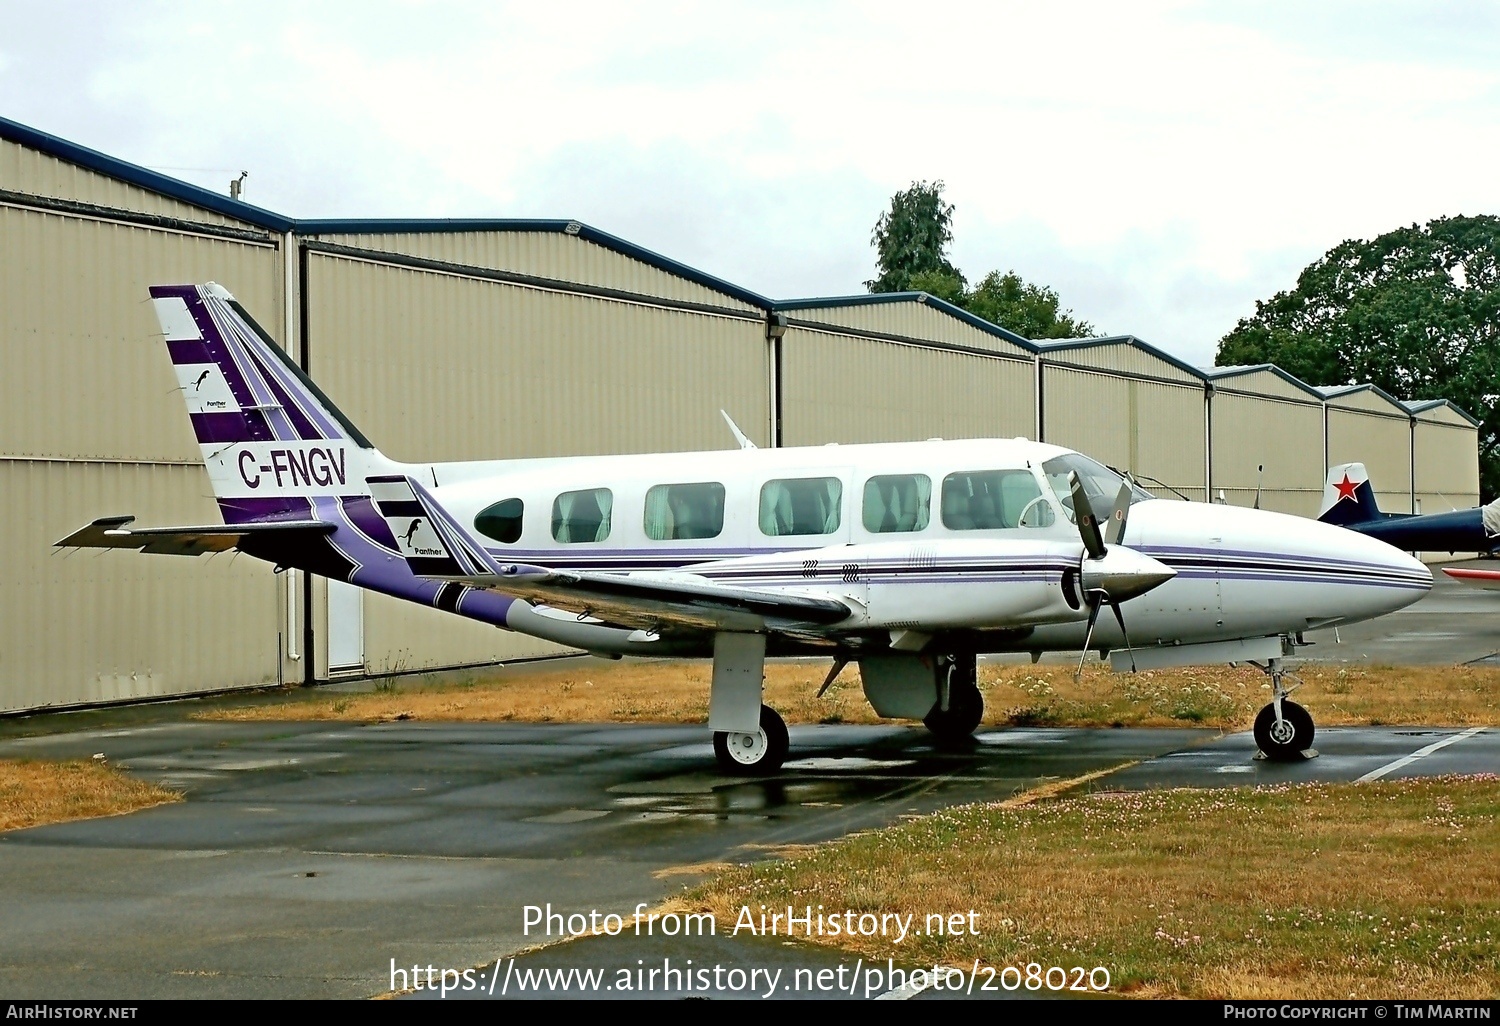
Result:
[1116,529]
[1119,616]
[1088,521]
[1087,637]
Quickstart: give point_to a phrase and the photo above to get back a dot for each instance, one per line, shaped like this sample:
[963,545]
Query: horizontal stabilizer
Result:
[113,533]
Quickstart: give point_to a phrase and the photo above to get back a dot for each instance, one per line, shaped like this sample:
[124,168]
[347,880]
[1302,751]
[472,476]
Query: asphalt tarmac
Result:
[333,860]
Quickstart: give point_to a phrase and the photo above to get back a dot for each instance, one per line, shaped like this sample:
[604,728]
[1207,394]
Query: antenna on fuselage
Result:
[739,436]
[1260,472]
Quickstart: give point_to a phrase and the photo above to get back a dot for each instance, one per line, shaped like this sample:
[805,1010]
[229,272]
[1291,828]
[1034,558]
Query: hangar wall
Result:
[484,339]
[1445,457]
[1261,417]
[91,423]
[451,365]
[1367,426]
[1129,407]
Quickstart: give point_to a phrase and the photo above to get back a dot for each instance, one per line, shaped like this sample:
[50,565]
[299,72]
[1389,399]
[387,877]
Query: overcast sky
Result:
[1162,165]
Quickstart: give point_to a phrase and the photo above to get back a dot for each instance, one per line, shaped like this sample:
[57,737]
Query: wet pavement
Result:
[309,857]
[318,859]
[314,859]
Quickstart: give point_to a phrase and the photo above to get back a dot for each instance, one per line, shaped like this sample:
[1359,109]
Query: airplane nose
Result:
[1124,573]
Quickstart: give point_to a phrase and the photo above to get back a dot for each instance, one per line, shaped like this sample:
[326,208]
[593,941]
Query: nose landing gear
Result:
[1283,730]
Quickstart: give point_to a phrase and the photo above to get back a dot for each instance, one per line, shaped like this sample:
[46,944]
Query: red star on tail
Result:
[1346,488]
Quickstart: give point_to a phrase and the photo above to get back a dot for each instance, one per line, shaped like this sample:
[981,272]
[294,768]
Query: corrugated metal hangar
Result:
[453,340]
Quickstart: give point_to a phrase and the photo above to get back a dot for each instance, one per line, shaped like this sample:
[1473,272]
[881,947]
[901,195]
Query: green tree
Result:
[912,238]
[1029,310]
[1415,311]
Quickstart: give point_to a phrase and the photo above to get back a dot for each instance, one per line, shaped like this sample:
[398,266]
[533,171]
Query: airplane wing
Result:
[1489,579]
[652,600]
[112,533]
[438,546]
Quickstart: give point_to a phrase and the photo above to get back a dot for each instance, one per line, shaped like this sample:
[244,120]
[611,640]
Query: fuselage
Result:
[1461,530]
[972,539]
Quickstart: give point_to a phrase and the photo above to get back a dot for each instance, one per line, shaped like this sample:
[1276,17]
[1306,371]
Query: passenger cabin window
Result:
[897,502]
[502,521]
[809,505]
[987,500]
[684,511]
[582,516]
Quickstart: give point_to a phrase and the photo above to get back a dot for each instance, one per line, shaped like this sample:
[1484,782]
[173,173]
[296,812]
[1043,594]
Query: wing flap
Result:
[113,533]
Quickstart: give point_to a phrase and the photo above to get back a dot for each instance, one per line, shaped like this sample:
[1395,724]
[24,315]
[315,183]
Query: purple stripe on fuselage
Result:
[389,573]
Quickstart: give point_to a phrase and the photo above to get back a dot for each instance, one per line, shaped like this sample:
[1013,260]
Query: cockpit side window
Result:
[989,500]
[1100,484]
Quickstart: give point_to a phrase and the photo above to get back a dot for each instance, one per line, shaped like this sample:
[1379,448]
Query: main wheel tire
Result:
[1288,739]
[965,709]
[761,752]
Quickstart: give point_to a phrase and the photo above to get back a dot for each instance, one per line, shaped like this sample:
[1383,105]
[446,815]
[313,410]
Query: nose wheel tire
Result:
[1286,739]
[761,752]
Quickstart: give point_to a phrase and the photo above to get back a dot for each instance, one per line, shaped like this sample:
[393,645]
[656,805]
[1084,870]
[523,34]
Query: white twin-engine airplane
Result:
[908,558]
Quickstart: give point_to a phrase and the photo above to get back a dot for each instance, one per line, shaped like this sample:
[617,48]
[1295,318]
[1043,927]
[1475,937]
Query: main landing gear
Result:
[761,752]
[1283,729]
[959,706]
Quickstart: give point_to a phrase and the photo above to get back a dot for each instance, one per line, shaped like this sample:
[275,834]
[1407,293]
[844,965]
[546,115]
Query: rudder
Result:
[271,440]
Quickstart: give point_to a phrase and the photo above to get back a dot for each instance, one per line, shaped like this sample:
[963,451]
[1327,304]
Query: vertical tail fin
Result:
[271,439]
[1348,497]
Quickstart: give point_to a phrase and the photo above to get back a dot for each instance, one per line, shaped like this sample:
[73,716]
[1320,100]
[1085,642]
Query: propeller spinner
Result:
[1111,573]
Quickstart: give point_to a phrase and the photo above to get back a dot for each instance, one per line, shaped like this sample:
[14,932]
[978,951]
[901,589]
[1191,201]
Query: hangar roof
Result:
[209,200]
[1248,370]
[922,298]
[1431,406]
[1060,345]
[144,177]
[1360,397]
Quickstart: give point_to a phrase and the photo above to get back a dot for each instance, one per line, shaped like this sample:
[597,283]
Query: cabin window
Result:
[582,516]
[987,500]
[897,502]
[685,511]
[809,505]
[502,521]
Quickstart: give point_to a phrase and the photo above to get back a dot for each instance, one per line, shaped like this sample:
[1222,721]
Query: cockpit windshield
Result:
[1100,483]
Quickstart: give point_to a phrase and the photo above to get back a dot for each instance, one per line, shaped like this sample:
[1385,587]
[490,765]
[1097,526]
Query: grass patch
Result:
[1379,890]
[677,692]
[35,792]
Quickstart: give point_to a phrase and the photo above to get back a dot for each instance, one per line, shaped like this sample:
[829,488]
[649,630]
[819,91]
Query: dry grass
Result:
[677,692]
[33,793]
[1380,890]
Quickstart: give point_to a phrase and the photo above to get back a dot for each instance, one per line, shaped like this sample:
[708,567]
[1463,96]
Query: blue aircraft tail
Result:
[1348,497]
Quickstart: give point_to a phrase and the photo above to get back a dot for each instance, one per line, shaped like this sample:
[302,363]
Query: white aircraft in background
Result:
[909,559]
